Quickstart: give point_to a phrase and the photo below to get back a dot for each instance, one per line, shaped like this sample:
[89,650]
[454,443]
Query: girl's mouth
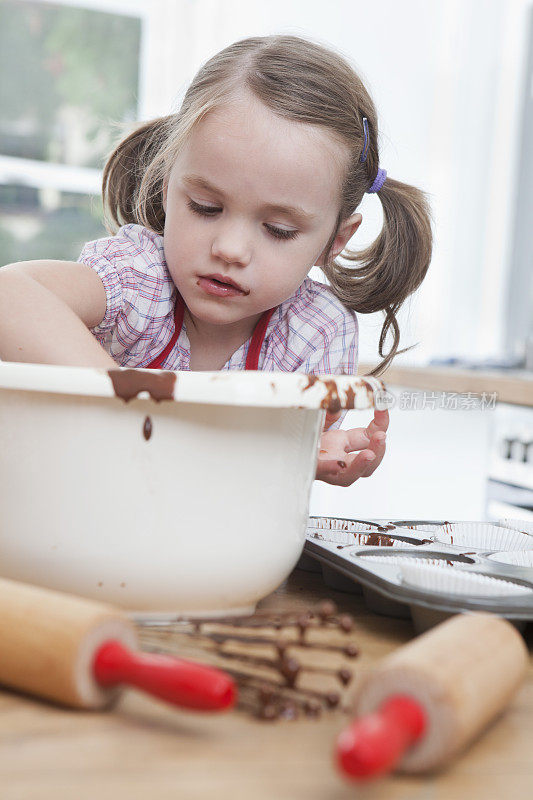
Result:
[218,288]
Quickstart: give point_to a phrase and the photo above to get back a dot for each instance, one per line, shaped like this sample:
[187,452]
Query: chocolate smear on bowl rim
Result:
[311,380]
[331,401]
[272,656]
[128,383]
[350,398]
[369,391]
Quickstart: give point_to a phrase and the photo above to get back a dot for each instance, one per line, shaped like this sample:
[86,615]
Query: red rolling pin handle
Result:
[374,744]
[180,682]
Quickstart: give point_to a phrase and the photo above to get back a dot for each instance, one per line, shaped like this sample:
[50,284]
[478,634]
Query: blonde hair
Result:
[303,81]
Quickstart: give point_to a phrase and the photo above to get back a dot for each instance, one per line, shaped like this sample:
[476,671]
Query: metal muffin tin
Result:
[384,559]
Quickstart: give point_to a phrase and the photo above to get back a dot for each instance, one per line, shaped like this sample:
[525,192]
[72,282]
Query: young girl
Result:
[222,209]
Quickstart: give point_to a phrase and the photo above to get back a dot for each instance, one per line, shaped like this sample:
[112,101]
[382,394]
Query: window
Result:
[70,80]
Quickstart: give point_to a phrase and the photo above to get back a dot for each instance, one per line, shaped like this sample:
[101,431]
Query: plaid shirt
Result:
[311,332]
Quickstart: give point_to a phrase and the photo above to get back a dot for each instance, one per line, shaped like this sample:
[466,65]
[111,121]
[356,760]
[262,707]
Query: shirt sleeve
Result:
[101,255]
[138,288]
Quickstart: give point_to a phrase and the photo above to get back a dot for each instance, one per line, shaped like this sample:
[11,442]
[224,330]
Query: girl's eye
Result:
[281,233]
[209,211]
[205,210]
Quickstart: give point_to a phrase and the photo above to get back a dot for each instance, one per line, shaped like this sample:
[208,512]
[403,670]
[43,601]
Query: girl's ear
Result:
[345,233]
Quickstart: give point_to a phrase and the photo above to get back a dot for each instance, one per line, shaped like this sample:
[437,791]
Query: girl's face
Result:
[253,199]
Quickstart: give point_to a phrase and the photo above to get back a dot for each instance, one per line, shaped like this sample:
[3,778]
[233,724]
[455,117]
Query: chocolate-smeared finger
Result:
[330,472]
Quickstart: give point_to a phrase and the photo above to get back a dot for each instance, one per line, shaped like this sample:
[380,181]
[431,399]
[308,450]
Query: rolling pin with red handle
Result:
[77,652]
[426,701]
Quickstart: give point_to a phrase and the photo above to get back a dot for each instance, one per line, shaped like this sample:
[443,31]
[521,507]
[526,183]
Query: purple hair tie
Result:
[379,180]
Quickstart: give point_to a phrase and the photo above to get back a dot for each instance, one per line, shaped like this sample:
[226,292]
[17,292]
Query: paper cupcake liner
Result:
[447,580]
[523,525]
[520,558]
[482,536]
[346,531]
[425,527]
[367,538]
[339,524]
[418,562]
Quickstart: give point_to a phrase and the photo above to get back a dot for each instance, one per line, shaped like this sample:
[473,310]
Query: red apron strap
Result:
[179,310]
[252,359]
[258,337]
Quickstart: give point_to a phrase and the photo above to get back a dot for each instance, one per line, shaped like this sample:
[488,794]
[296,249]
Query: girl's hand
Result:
[338,462]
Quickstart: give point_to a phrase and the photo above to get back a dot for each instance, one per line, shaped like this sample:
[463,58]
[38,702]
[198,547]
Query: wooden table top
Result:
[510,386]
[144,749]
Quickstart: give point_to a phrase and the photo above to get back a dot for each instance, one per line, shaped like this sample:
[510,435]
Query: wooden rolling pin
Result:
[78,652]
[430,698]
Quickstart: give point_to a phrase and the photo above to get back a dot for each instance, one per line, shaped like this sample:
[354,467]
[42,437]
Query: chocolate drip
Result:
[350,398]
[261,619]
[372,540]
[326,609]
[282,695]
[268,698]
[379,540]
[311,380]
[345,623]
[303,622]
[331,401]
[345,525]
[128,383]
[147,428]
[285,665]
[351,651]
[369,392]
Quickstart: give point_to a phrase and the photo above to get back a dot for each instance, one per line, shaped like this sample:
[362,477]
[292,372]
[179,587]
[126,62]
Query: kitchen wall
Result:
[435,466]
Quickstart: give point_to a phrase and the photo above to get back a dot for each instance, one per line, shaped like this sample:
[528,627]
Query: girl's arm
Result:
[46,310]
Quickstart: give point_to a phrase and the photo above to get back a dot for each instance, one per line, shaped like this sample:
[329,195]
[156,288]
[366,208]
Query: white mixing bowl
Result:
[196,503]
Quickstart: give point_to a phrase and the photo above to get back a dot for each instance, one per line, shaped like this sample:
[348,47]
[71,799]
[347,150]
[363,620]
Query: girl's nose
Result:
[231,245]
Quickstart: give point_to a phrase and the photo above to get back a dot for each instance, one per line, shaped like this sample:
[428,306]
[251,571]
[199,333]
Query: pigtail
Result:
[392,267]
[124,185]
